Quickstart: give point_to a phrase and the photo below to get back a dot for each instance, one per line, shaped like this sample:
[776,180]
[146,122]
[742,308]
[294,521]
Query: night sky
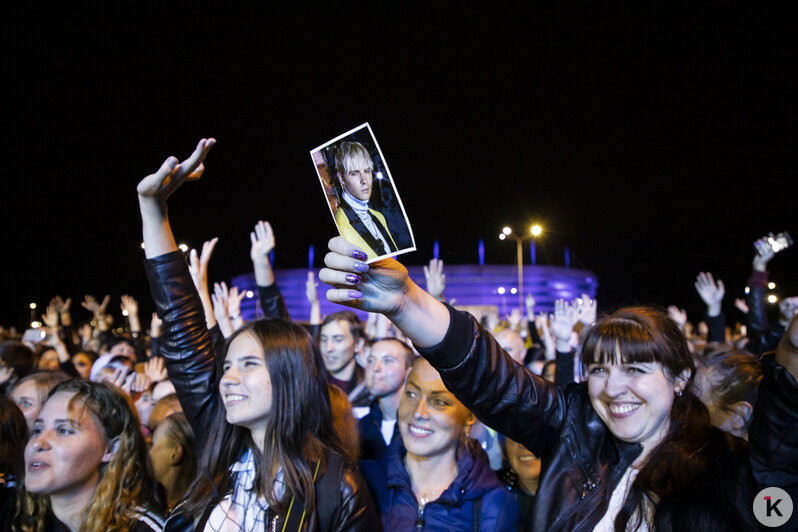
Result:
[654,143]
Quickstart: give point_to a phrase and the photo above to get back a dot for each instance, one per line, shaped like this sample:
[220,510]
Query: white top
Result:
[242,510]
[607,523]
[386,428]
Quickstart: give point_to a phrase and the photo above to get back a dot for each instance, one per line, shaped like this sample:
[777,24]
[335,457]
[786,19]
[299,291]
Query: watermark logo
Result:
[772,507]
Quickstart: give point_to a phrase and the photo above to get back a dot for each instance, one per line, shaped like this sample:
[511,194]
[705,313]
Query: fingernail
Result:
[359,255]
[361,267]
[353,279]
[354,294]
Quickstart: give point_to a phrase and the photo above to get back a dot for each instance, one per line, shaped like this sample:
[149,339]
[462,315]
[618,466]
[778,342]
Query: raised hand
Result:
[764,253]
[155,369]
[91,304]
[679,316]
[263,242]
[529,303]
[50,317]
[220,308]
[234,307]
[514,319]
[586,309]
[711,292]
[155,189]
[542,323]
[168,178]
[385,287]
[62,304]
[131,306]
[741,304]
[311,289]
[562,324]
[311,293]
[436,280]
[198,266]
[377,287]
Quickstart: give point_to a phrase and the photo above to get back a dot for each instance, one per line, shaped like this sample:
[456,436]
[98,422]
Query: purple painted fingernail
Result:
[353,279]
[354,294]
[361,267]
[359,255]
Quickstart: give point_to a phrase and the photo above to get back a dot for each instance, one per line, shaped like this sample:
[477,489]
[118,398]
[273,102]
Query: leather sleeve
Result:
[502,394]
[357,511]
[271,302]
[185,342]
[773,434]
[716,328]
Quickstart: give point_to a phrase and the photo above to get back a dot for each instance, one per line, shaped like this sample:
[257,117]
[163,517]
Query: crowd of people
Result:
[420,417]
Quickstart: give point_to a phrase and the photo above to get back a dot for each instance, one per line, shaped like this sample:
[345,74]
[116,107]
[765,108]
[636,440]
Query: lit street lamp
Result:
[534,232]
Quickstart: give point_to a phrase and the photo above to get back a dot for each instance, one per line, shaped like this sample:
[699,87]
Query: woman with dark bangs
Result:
[630,449]
[268,453]
[86,465]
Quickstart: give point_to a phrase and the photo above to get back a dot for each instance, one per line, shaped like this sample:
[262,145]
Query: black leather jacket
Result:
[583,462]
[189,353]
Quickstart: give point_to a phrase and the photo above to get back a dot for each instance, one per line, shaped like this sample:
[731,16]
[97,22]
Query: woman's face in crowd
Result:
[430,418]
[26,397]
[633,399]
[82,363]
[246,386]
[64,453]
[49,360]
[523,462]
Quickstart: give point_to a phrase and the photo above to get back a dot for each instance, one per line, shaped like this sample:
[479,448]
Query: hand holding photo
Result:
[362,195]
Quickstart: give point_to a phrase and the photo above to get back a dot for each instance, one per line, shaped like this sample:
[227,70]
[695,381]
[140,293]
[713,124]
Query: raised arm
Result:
[502,394]
[186,344]
[384,287]
[271,300]
[712,292]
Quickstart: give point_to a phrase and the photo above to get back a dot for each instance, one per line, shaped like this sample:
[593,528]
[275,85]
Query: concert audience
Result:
[626,421]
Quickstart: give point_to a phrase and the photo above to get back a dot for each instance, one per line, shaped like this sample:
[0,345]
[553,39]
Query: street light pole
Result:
[535,231]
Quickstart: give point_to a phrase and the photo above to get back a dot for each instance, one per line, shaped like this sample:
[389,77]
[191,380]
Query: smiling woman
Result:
[436,477]
[632,448]
[268,452]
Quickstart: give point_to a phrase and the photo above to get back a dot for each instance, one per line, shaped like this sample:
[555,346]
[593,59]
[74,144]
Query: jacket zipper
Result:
[420,515]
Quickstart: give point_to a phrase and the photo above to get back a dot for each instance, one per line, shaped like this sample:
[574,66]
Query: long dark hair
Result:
[692,453]
[298,432]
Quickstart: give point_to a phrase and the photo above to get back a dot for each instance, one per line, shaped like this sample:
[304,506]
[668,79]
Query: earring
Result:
[679,393]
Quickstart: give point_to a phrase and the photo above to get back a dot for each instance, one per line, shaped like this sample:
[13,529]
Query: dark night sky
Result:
[654,143]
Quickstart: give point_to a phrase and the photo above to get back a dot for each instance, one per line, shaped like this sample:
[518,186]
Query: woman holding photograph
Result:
[630,449]
[268,452]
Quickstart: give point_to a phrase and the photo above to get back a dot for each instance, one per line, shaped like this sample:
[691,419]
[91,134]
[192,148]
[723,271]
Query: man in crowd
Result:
[342,339]
[387,364]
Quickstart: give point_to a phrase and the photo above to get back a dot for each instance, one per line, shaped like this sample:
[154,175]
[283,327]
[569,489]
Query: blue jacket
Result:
[476,484]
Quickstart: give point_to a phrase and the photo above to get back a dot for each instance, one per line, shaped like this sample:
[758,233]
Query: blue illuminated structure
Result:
[469,284]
